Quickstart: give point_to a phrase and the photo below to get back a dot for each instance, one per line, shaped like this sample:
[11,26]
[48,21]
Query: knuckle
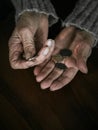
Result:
[13,65]
[51,63]
[44,20]
[57,72]
[44,72]
[25,30]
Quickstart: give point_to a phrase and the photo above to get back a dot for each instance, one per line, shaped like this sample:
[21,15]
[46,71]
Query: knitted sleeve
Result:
[85,16]
[41,6]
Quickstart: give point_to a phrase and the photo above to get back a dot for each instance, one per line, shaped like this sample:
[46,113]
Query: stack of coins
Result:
[59,57]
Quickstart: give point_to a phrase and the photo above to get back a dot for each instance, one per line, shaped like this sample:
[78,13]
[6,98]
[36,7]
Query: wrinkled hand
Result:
[80,43]
[28,37]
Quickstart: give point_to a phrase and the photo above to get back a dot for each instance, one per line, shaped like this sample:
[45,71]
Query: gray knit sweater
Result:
[84,15]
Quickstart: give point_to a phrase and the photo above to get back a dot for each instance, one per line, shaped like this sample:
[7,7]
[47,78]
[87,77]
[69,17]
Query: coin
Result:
[66,52]
[61,66]
[32,59]
[57,58]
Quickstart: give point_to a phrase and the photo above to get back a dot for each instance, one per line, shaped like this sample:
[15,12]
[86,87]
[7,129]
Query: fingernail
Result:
[46,51]
[49,43]
[51,89]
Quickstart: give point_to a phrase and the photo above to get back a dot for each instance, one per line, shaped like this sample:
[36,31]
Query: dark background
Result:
[24,106]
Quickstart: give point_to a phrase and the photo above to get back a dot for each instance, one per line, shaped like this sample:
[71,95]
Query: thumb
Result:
[82,66]
[27,38]
[84,53]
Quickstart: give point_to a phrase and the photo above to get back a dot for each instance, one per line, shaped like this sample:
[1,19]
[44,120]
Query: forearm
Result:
[41,6]
[85,17]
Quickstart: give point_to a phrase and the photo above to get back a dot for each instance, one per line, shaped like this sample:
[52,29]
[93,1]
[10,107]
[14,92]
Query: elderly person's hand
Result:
[29,37]
[80,44]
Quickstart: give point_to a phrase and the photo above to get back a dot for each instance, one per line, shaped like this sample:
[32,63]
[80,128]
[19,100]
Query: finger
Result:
[82,52]
[70,62]
[41,35]
[38,68]
[82,56]
[86,51]
[20,64]
[27,38]
[15,51]
[44,54]
[40,40]
[81,64]
[52,76]
[45,71]
[15,48]
[64,79]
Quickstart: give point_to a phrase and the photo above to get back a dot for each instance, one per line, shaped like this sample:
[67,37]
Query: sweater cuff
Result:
[85,17]
[41,6]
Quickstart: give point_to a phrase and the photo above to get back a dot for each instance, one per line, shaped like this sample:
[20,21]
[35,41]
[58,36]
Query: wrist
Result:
[86,36]
[31,19]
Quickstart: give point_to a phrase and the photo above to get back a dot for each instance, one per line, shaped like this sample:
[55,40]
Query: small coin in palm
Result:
[60,66]
[66,52]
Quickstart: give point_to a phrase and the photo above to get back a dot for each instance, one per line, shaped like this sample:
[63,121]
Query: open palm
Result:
[79,42]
